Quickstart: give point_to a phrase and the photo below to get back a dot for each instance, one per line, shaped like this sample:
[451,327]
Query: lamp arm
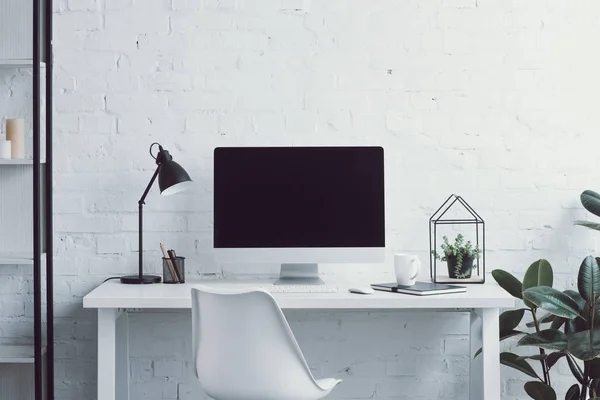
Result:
[141,221]
[141,201]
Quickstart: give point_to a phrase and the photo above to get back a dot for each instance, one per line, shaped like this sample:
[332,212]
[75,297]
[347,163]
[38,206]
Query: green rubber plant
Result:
[591,202]
[570,328]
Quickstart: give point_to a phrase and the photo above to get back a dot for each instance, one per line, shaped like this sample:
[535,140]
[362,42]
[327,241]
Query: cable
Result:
[159,149]
[112,277]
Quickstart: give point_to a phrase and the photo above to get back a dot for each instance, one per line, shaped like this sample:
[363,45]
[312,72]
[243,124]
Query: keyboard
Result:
[300,289]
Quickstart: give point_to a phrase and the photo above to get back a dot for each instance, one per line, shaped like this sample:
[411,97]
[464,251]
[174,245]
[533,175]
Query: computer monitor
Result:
[299,206]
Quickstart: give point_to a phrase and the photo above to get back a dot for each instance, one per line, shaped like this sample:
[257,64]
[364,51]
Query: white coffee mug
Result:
[407,268]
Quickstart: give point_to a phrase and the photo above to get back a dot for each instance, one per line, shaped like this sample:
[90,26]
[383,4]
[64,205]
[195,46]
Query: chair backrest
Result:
[243,344]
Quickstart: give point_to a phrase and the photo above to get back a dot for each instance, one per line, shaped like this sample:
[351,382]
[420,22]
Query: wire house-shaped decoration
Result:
[459,242]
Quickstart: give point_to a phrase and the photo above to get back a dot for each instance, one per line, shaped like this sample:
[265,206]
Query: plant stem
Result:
[543,362]
[586,379]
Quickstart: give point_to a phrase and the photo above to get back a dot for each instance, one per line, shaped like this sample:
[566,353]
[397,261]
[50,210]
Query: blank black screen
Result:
[299,197]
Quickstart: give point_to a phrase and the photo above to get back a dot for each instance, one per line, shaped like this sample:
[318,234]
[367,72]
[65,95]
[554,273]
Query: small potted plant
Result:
[459,256]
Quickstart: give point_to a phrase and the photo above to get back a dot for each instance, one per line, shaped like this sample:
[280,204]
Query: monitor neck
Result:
[299,274]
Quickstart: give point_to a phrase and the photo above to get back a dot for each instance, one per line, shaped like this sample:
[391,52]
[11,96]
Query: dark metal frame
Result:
[43,231]
[437,219]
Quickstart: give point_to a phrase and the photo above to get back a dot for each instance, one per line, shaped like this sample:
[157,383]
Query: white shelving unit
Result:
[27,371]
[5,63]
[17,354]
[16,212]
[16,371]
[17,258]
[23,161]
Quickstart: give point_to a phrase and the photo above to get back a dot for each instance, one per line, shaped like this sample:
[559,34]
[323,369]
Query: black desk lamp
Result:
[172,179]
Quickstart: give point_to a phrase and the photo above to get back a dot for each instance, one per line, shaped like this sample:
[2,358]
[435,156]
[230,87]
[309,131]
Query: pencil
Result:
[173,260]
[172,269]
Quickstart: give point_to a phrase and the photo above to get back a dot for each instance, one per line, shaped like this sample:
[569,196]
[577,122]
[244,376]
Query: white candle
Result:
[15,132]
[5,150]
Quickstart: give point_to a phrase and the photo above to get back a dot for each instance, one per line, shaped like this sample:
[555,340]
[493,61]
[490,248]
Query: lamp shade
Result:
[172,178]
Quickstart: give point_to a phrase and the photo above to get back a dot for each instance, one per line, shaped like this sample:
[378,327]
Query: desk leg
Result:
[122,357]
[485,369]
[113,355]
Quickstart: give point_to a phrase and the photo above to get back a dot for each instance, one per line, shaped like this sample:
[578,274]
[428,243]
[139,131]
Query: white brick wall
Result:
[494,100]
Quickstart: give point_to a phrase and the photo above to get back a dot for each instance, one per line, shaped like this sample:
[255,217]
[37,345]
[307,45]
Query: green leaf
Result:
[546,339]
[553,358]
[588,224]
[594,368]
[575,325]
[575,370]
[512,360]
[509,320]
[594,385]
[538,274]
[573,393]
[536,357]
[546,319]
[511,333]
[588,280]
[503,335]
[540,391]
[590,200]
[508,282]
[585,345]
[577,297]
[596,313]
[552,301]
[558,322]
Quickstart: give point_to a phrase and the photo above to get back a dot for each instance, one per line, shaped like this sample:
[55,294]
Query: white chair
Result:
[244,349]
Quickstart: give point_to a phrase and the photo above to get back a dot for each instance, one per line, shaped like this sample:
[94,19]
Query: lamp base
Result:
[135,279]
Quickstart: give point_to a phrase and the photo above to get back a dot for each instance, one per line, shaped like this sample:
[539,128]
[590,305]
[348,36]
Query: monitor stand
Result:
[299,274]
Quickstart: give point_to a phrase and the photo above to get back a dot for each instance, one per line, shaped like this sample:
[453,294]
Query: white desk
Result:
[113,300]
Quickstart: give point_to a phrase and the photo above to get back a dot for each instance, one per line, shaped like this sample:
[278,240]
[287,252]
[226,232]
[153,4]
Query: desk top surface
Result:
[113,294]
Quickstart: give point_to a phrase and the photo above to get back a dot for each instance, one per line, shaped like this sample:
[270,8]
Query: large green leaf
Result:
[588,224]
[536,357]
[590,200]
[594,386]
[503,335]
[575,370]
[578,324]
[575,325]
[577,297]
[553,358]
[573,393]
[538,274]
[553,301]
[540,391]
[508,282]
[596,313]
[588,280]
[546,339]
[509,320]
[511,333]
[558,322]
[512,360]
[585,345]
[546,319]
[594,368]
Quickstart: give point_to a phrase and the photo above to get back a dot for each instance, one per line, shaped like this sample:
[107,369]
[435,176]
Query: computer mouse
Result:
[361,290]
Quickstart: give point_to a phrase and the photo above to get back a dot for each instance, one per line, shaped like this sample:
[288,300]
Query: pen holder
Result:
[174,273]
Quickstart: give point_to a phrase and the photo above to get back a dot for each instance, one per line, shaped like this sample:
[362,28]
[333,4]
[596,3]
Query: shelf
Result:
[17,354]
[23,161]
[18,258]
[4,63]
